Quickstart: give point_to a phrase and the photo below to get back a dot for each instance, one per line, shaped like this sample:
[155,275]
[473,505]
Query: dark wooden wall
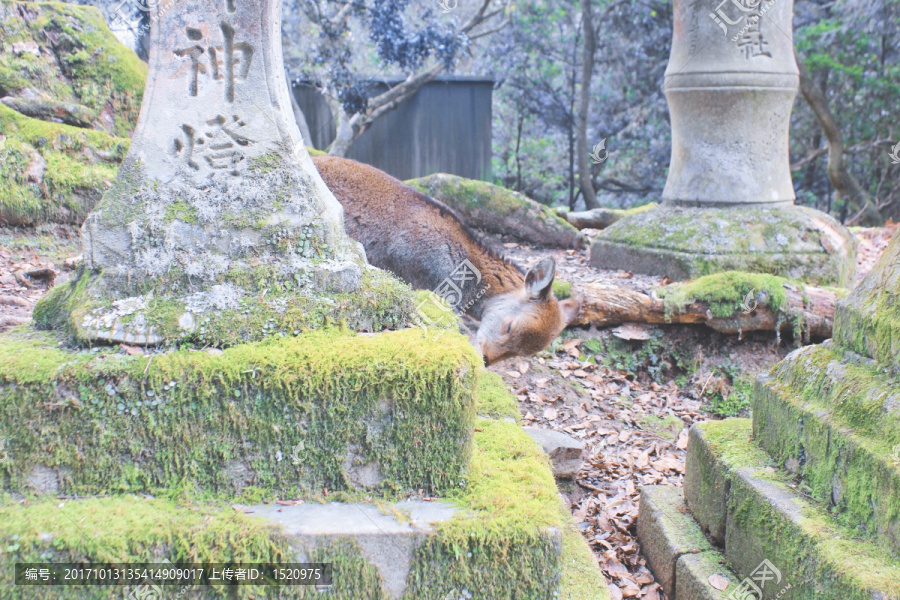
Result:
[444,128]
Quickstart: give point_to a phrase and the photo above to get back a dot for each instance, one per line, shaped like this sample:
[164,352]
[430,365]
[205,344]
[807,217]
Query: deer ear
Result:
[539,279]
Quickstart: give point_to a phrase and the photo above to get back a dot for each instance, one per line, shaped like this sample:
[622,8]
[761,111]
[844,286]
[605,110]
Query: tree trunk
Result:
[845,185]
[607,305]
[587,72]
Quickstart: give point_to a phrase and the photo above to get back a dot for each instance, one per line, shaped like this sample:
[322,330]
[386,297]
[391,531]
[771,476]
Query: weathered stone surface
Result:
[495,209]
[772,528]
[705,488]
[685,243]
[666,532]
[218,211]
[730,85]
[692,577]
[565,452]
[868,320]
[382,538]
[833,419]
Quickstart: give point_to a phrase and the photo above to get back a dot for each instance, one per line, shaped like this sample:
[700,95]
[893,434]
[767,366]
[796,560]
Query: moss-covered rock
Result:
[65,53]
[51,172]
[686,243]
[288,416]
[495,209]
[510,538]
[71,99]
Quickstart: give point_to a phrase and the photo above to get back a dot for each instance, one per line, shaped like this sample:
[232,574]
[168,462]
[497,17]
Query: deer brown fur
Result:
[423,242]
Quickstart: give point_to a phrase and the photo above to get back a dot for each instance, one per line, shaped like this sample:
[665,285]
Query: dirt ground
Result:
[630,402]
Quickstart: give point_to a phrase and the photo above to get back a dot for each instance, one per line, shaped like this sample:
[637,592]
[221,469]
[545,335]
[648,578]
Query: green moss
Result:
[512,537]
[313,152]
[80,61]
[494,400]
[726,293]
[114,423]
[562,289]
[78,164]
[686,243]
[833,417]
[819,557]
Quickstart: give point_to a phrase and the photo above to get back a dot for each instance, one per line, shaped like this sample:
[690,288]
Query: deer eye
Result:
[508,327]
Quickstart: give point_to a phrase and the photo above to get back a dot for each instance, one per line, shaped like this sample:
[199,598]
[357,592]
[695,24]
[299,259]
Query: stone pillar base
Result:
[684,243]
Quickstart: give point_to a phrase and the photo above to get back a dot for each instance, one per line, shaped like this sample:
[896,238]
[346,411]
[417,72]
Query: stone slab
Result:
[565,452]
[666,532]
[832,418]
[786,544]
[387,537]
[685,243]
[692,577]
[705,488]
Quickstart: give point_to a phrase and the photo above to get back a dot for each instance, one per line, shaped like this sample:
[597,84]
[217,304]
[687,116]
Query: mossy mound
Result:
[289,416]
[726,293]
[51,172]
[511,536]
[71,96]
[497,210]
[66,54]
[686,243]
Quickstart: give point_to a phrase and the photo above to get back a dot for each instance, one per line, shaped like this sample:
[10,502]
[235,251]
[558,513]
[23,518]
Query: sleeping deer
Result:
[425,244]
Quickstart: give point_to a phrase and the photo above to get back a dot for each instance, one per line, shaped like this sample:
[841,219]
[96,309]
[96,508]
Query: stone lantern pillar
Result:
[728,202]
[218,228]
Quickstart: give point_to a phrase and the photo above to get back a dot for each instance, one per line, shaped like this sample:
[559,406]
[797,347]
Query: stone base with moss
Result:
[175,439]
[685,243]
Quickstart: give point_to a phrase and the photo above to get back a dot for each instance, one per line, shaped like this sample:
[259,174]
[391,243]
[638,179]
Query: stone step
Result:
[777,540]
[678,554]
[833,418]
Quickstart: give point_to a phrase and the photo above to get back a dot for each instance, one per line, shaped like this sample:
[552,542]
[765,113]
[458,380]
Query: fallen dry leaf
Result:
[718,582]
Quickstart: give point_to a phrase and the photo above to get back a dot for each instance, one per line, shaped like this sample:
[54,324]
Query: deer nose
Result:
[487,363]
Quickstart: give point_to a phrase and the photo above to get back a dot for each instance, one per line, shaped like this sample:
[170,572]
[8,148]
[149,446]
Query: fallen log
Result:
[601,218]
[806,309]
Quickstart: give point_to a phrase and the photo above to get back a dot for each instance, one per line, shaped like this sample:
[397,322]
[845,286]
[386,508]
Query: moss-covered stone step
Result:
[833,418]
[868,320]
[686,243]
[503,534]
[773,534]
[678,554]
[287,417]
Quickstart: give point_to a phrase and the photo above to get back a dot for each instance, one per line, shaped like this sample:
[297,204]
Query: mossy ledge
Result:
[511,537]
[832,418]
[286,417]
[686,243]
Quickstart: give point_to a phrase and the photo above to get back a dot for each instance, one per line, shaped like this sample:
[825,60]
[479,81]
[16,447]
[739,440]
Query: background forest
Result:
[573,75]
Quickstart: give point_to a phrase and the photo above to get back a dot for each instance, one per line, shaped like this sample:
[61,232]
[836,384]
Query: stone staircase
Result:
[803,501]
